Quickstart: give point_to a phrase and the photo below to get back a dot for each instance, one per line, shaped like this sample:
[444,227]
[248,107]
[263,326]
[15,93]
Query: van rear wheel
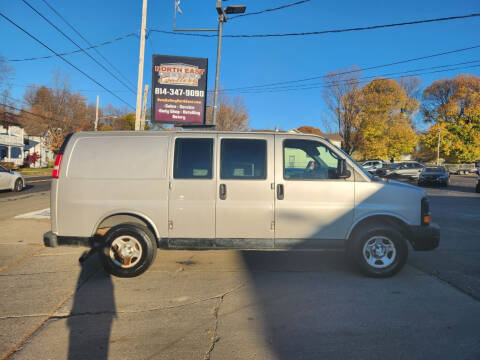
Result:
[128,250]
[379,251]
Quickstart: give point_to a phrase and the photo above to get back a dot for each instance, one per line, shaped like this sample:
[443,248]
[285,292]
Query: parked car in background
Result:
[477,188]
[373,165]
[406,170]
[434,175]
[11,180]
[459,169]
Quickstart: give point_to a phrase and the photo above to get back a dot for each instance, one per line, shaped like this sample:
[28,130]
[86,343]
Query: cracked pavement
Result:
[241,305]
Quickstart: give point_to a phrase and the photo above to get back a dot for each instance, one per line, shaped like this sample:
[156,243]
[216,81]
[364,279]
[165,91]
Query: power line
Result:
[269,10]
[358,70]
[403,72]
[72,41]
[323,85]
[323,32]
[28,112]
[88,42]
[65,60]
[123,37]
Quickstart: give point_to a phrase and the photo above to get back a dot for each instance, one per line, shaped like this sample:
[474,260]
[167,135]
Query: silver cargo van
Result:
[126,193]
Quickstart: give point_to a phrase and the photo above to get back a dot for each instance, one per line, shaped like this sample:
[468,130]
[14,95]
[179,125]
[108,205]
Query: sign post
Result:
[179,89]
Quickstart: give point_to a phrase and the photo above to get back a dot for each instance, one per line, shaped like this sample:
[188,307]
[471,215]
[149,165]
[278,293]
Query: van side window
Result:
[193,158]
[312,160]
[243,159]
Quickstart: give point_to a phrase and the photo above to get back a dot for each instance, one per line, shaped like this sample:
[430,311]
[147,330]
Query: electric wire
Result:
[403,72]
[317,86]
[269,10]
[323,32]
[359,69]
[108,42]
[65,60]
[72,41]
[88,42]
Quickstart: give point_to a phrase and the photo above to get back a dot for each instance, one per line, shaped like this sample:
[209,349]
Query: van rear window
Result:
[193,158]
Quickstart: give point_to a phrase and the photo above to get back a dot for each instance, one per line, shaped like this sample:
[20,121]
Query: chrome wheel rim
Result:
[379,252]
[19,185]
[125,251]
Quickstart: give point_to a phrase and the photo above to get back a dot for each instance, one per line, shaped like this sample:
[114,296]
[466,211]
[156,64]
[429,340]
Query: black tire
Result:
[18,186]
[142,240]
[379,231]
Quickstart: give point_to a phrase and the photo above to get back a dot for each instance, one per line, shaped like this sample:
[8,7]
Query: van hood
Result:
[402,185]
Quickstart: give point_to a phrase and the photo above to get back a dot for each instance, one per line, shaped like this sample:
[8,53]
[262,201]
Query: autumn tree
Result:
[232,114]
[342,95]
[453,106]
[386,119]
[56,111]
[310,130]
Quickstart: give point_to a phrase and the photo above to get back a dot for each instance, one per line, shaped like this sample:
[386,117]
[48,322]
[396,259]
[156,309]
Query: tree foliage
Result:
[386,119]
[453,105]
[310,130]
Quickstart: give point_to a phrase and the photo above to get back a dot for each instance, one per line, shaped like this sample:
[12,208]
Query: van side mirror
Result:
[343,172]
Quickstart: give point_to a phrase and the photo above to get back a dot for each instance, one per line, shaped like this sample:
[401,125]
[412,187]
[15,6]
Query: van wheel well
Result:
[118,219]
[381,220]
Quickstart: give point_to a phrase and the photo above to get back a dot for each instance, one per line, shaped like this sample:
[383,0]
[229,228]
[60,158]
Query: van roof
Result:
[163,132]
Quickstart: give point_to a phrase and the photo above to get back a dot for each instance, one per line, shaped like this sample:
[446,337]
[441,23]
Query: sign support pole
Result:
[144,108]
[96,114]
[221,19]
[140,66]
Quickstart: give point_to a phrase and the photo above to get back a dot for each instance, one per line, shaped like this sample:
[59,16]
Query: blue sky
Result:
[245,62]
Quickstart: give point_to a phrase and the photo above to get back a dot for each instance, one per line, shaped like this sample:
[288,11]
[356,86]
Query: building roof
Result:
[9,119]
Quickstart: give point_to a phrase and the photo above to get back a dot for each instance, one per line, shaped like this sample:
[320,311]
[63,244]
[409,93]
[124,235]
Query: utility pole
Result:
[144,108]
[221,19]
[438,145]
[96,114]
[140,66]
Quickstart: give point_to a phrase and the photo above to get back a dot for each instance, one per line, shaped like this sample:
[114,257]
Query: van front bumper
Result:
[425,238]
[52,240]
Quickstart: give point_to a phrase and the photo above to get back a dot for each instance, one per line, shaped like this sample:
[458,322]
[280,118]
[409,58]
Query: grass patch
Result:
[36,172]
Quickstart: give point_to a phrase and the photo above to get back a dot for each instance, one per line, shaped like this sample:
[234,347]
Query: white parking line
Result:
[38,214]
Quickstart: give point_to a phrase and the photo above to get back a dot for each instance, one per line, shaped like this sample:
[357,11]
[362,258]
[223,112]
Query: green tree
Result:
[453,105]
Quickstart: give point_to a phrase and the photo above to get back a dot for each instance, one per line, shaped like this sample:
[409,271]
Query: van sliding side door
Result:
[245,190]
[193,185]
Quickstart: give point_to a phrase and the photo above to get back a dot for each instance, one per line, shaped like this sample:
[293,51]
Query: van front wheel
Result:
[129,250]
[380,251]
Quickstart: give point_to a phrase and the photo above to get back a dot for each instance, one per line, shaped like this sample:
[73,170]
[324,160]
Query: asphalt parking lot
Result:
[241,305]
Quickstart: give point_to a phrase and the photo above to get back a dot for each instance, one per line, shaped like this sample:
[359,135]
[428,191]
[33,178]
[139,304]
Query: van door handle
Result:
[223,191]
[280,192]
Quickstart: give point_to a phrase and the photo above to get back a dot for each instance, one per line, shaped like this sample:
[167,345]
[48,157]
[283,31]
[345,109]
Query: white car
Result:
[11,180]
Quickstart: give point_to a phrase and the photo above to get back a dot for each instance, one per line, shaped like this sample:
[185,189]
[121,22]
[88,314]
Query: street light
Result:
[222,17]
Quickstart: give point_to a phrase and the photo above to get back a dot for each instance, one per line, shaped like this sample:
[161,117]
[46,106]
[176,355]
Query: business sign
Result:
[179,89]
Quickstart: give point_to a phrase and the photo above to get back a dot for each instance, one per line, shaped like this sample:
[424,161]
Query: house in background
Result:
[11,139]
[35,139]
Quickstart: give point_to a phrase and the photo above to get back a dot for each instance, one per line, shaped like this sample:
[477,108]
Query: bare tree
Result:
[6,74]
[342,95]
[232,114]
